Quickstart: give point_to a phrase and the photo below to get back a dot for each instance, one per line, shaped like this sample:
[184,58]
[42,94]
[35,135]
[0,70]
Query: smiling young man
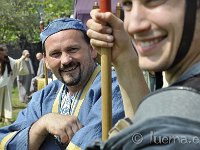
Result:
[165,34]
[67,112]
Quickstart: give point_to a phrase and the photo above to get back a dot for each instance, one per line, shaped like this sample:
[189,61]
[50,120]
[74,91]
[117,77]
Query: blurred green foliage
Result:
[20,18]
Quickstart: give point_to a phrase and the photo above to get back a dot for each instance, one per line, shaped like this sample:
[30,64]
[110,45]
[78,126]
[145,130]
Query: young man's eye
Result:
[127,5]
[152,3]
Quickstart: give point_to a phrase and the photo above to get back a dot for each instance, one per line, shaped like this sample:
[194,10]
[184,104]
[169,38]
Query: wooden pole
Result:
[45,68]
[118,10]
[96,5]
[105,6]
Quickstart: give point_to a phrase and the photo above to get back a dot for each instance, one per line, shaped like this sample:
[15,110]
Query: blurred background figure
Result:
[40,77]
[24,81]
[39,57]
[9,69]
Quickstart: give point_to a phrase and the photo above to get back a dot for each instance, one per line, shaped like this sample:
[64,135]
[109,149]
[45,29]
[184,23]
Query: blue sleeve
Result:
[15,136]
[91,116]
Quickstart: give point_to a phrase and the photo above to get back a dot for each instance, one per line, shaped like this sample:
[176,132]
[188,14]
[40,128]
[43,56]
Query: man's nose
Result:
[65,59]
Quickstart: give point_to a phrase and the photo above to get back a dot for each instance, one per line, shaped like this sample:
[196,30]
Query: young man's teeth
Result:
[149,43]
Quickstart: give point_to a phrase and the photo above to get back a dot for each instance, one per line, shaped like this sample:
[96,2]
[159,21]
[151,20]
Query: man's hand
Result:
[25,54]
[63,126]
[107,31]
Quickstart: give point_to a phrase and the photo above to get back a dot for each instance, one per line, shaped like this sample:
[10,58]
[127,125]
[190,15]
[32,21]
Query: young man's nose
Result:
[137,20]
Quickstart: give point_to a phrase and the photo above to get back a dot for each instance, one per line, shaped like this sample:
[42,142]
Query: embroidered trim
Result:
[85,90]
[82,96]
[75,102]
[72,146]
[6,139]
[55,107]
[69,103]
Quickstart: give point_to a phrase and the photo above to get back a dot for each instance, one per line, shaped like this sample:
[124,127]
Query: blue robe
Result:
[47,100]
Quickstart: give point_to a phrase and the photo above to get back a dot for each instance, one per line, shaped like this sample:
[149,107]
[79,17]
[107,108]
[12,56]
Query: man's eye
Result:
[55,55]
[73,50]
[153,3]
[127,5]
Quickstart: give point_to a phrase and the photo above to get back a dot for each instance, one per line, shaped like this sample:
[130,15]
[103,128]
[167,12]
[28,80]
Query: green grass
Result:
[17,106]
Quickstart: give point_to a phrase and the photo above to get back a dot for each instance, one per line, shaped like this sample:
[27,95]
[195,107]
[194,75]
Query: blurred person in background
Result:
[39,57]
[40,74]
[9,69]
[24,81]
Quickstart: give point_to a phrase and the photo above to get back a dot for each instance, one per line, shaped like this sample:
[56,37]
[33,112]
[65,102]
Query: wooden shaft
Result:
[118,10]
[45,68]
[106,91]
[96,5]
[105,5]
[46,74]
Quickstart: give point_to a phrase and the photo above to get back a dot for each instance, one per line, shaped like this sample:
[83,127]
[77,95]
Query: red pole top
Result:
[105,5]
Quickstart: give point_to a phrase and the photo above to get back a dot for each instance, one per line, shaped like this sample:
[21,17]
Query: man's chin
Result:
[71,82]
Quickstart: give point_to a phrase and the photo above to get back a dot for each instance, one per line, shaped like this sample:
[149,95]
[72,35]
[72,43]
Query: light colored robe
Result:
[24,82]
[40,68]
[6,84]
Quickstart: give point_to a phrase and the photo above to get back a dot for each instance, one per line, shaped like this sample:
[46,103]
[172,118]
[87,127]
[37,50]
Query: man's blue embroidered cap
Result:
[59,25]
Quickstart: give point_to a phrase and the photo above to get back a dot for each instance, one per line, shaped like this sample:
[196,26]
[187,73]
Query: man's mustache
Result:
[70,65]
